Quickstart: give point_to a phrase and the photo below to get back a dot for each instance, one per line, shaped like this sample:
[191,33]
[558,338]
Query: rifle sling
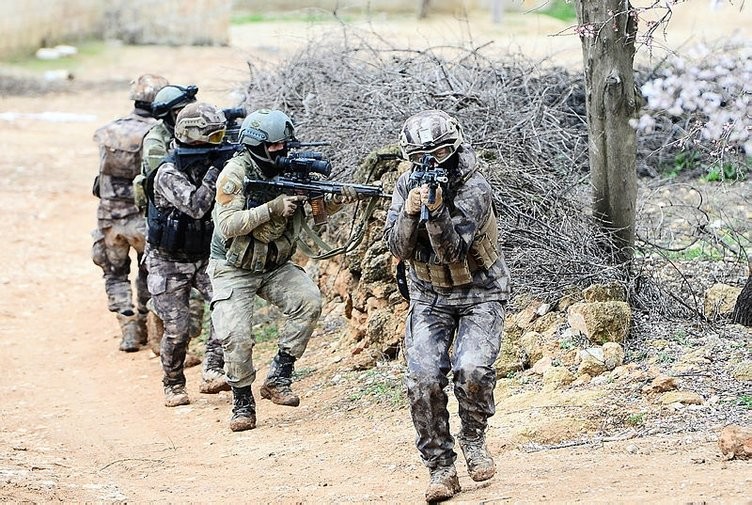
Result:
[356,237]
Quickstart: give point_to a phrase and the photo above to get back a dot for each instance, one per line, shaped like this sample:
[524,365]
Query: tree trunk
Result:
[743,309]
[607,31]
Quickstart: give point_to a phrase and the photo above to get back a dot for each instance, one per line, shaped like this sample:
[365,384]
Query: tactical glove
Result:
[412,204]
[438,201]
[284,206]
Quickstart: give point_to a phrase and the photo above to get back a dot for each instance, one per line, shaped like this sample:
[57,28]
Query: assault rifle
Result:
[187,157]
[427,172]
[304,173]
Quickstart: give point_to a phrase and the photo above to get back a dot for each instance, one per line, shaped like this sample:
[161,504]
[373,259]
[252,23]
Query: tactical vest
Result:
[120,156]
[482,254]
[175,233]
[249,253]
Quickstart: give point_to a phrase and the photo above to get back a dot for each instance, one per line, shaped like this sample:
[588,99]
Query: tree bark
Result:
[743,309]
[607,31]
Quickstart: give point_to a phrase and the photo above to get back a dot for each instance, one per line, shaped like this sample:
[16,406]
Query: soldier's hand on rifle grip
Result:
[413,202]
[349,194]
[425,198]
[284,206]
[210,178]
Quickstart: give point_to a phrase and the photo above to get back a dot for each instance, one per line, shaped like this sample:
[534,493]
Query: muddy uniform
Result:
[155,146]
[177,261]
[120,226]
[457,295]
[250,255]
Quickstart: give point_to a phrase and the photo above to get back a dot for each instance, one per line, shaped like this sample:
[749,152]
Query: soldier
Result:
[179,233]
[250,255]
[120,225]
[167,105]
[458,287]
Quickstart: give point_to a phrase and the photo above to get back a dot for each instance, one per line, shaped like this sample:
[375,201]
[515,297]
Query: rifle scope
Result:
[302,163]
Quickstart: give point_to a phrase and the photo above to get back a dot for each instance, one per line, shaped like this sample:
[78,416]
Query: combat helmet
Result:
[146,87]
[431,132]
[263,127]
[266,125]
[200,122]
[173,97]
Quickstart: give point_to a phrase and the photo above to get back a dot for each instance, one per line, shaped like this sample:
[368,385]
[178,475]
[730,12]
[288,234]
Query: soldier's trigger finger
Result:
[297,198]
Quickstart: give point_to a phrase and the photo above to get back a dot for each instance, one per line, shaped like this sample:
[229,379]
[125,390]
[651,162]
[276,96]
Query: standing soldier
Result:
[166,106]
[458,286]
[120,225]
[181,196]
[250,255]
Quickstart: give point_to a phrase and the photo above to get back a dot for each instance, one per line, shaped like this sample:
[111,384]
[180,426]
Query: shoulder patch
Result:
[229,187]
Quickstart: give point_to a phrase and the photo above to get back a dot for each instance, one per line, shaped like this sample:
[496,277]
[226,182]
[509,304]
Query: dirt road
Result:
[82,422]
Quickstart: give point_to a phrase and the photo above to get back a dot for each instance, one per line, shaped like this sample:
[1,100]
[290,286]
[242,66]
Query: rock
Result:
[592,362]
[613,292]
[736,442]
[720,300]
[743,371]
[613,355]
[682,397]
[661,384]
[582,379]
[531,343]
[542,365]
[555,377]
[601,322]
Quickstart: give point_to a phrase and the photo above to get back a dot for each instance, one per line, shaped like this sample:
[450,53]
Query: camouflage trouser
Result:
[113,240]
[429,332]
[288,287]
[170,286]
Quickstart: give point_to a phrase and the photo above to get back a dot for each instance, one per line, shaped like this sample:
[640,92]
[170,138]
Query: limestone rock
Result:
[592,362]
[720,300]
[736,442]
[684,397]
[661,384]
[555,377]
[613,292]
[613,355]
[743,371]
[601,322]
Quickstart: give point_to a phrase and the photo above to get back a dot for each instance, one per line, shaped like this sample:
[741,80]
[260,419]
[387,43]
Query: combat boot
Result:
[175,395]
[480,464]
[129,329]
[277,385]
[243,410]
[443,485]
[143,333]
[213,381]
[213,378]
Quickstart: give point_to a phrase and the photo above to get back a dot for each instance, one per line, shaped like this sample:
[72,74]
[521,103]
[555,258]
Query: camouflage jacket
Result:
[174,189]
[446,238]
[232,218]
[120,161]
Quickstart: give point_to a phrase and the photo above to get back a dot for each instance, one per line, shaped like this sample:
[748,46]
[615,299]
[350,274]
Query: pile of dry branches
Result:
[527,125]
[525,118]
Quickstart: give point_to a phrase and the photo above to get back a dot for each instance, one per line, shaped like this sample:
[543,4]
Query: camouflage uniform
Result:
[237,278]
[173,274]
[469,316]
[120,225]
[155,147]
